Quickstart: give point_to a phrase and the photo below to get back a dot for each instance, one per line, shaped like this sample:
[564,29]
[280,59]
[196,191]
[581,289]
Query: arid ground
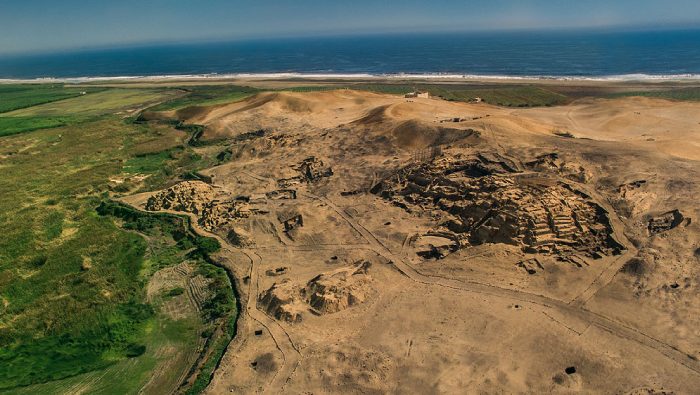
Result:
[382,244]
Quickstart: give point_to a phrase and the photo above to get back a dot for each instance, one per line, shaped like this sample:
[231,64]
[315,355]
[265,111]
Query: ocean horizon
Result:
[562,55]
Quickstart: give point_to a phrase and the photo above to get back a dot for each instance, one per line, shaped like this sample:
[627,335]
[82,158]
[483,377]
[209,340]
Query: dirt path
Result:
[290,353]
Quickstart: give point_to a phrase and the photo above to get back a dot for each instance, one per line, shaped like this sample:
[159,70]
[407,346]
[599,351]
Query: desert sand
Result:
[389,245]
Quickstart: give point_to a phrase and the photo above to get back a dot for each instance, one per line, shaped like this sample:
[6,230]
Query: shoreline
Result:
[435,78]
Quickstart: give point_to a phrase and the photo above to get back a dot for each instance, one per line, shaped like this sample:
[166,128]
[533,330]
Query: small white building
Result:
[417,94]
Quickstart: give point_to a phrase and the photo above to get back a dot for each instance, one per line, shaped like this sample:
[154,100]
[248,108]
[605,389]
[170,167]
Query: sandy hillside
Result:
[390,245]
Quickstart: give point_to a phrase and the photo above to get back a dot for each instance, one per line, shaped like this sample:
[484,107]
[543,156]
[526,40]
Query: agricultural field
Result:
[303,89]
[521,96]
[386,89]
[100,102]
[59,254]
[678,94]
[15,125]
[17,96]
[206,95]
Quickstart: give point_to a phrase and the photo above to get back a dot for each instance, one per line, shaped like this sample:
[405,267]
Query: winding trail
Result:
[290,353]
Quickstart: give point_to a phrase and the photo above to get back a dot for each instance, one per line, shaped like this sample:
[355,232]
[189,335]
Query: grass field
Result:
[14,97]
[206,95]
[98,103]
[680,94]
[15,125]
[164,338]
[57,255]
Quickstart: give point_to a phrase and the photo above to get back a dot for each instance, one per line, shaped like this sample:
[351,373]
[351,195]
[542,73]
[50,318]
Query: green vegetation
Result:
[386,89]
[100,102]
[56,357]
[205,95]
[15,97]
[218,348]
[521,96]
[153,162]
[57,255]
[692,94]
[127,376]
[220,307]
[304,89]
[174,292]
[15,125]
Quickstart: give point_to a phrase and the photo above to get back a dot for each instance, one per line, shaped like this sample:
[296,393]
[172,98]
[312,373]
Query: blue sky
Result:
[42,25]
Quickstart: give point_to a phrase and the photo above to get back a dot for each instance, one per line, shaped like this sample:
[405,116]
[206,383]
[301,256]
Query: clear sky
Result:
[50,25]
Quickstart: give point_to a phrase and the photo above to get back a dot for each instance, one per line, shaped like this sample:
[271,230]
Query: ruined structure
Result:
[326,293]
[552,163]
[665,221]
[200,198]
[481,200]
[187,196]
[310,170]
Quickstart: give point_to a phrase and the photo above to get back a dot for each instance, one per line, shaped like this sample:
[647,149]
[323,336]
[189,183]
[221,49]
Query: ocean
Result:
[550,54]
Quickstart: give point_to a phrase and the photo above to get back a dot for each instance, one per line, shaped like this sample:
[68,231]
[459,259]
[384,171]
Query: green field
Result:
[17,96]
[127,376]
[98,103]
[163,338]
[679,94]
[386,89]
[72,281]
[15,125]
[304,89]
[520,96]
[205,95]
